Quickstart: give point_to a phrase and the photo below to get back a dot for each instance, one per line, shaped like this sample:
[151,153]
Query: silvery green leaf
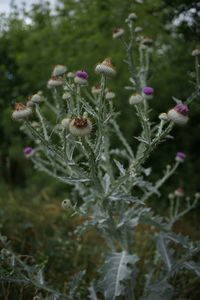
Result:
[92,295]
[178,101]
[178,238]
[72,179]
[159,291]
[141,139]
[115,271]
[130,88]
[74,284]
[106,183]
[120,167]
[132,81]
[126,197]
[191,265]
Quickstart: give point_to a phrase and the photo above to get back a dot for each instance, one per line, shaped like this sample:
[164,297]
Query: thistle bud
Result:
[195,52]
[66,204]
[171,196]
[197,195]
[21,112]
[70,75]
[148,92]
[66,95]
[65,123]
[180,157]
[110,95]
[117,33]
[179,192]
[163,116]
[138,29]
[59,70]
[59,127]
[28,152]
[80,126]
[81,78]
[106,68]
[132,17]
[54,82]
[178,114]
[135,99]
[36,98]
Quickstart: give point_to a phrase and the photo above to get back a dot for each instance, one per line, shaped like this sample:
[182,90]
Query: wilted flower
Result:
[21,111]
[148,92]
[59,70]
[178,114]
[147,41]
[80,126]
[106,68]
[135,99]
[180,157]
[117,32]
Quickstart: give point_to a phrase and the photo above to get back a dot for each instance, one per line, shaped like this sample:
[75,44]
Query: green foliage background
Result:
[78,35]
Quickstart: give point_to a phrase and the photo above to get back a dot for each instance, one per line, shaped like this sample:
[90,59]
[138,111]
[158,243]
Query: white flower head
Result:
[66,95]
[110,95]
[36,98]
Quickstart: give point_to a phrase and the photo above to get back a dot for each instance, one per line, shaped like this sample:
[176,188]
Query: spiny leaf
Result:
[116,271]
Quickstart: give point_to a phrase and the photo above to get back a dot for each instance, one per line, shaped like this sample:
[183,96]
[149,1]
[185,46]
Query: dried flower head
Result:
[80,126]
[54,81]
[117,33]
[21,111]
[59,70]
[135,99]
[180,157]
[106,68]
[178,114]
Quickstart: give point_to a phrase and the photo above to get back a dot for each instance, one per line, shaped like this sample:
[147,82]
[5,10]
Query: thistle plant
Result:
[110,187]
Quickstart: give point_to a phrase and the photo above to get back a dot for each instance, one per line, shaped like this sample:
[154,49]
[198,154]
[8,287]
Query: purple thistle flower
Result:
[181,155]
[148,90]
[82,74]
[27,150]
[182,109]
